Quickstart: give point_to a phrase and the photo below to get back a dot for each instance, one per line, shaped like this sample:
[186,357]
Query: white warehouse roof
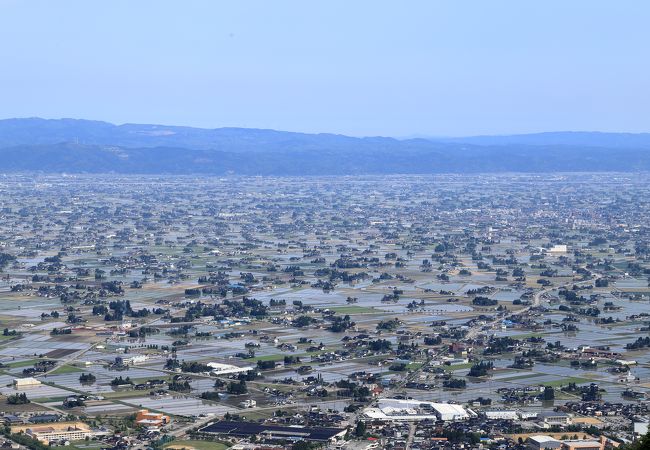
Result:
[411,410]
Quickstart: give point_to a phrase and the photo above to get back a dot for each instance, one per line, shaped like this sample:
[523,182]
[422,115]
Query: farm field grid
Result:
[267,299]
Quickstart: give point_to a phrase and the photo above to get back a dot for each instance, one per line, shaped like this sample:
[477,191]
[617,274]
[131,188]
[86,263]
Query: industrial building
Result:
[225,369]
[274,432]
[26,382]
[413,410]
[150,419]
[543,443]
[551,418]
[501,414]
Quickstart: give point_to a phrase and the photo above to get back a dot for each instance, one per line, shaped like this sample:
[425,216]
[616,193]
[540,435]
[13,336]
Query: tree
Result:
[302,321]
[360,429]
[340,324]
[549,393]
[454,383]
[119,381]
[210,395]
[18,399]
[481,369]
[87,378]
[641,444]
[389,325]
[238,388]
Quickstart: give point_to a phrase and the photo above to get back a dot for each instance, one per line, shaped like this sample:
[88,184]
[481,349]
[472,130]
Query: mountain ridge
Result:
[77,145]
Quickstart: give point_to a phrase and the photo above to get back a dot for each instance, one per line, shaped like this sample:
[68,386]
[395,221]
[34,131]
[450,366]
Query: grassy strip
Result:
[198,445]
[65,369]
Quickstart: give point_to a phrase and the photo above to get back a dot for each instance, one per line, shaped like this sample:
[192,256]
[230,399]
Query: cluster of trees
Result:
[74,402]
[265,365]
[549,393]
[641,342]
[6,259]
[121,308]
[27,441]
[59,331]
[18,399]
[340,324]
[302,321]
[247,307]
[100,310]
[592,311]
[291,359]
[172,364]
[237,388]
[351,389]
[522,362]
[379,345]
[602,282]
[498,345]
[119,381]
[114,287]
[454,383]
[195,367]
[180,386]
[484,301]
[87,378]
[432,340]
[210,395]
[389,325]
[481,369]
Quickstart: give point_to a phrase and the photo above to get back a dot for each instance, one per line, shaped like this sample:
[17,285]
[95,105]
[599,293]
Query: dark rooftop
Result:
[246,429]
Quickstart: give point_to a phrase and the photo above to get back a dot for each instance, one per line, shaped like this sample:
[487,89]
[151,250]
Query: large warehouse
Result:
[390,409]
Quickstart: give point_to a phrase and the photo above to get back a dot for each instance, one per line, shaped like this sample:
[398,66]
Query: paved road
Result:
[195,424]
[409,439]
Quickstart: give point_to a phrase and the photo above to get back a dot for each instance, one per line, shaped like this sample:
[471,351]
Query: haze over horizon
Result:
[434,69]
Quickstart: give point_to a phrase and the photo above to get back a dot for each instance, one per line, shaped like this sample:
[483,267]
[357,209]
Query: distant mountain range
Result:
[571,138]
[68,145]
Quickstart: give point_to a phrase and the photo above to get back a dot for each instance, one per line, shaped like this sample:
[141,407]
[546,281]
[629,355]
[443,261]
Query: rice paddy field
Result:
[400,284]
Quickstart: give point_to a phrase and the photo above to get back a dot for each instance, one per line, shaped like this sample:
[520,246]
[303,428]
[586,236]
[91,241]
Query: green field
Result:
[83,445]
[65,369]
[25,363]
[566,381]
[198,445]
[8,338]
[458,366]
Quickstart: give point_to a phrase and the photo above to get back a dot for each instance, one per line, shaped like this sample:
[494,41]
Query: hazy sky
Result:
[395,68]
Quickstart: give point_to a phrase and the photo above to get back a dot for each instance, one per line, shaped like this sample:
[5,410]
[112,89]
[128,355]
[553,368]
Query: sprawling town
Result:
[393,312]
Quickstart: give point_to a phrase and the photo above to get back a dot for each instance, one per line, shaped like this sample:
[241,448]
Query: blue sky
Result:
[435,68]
